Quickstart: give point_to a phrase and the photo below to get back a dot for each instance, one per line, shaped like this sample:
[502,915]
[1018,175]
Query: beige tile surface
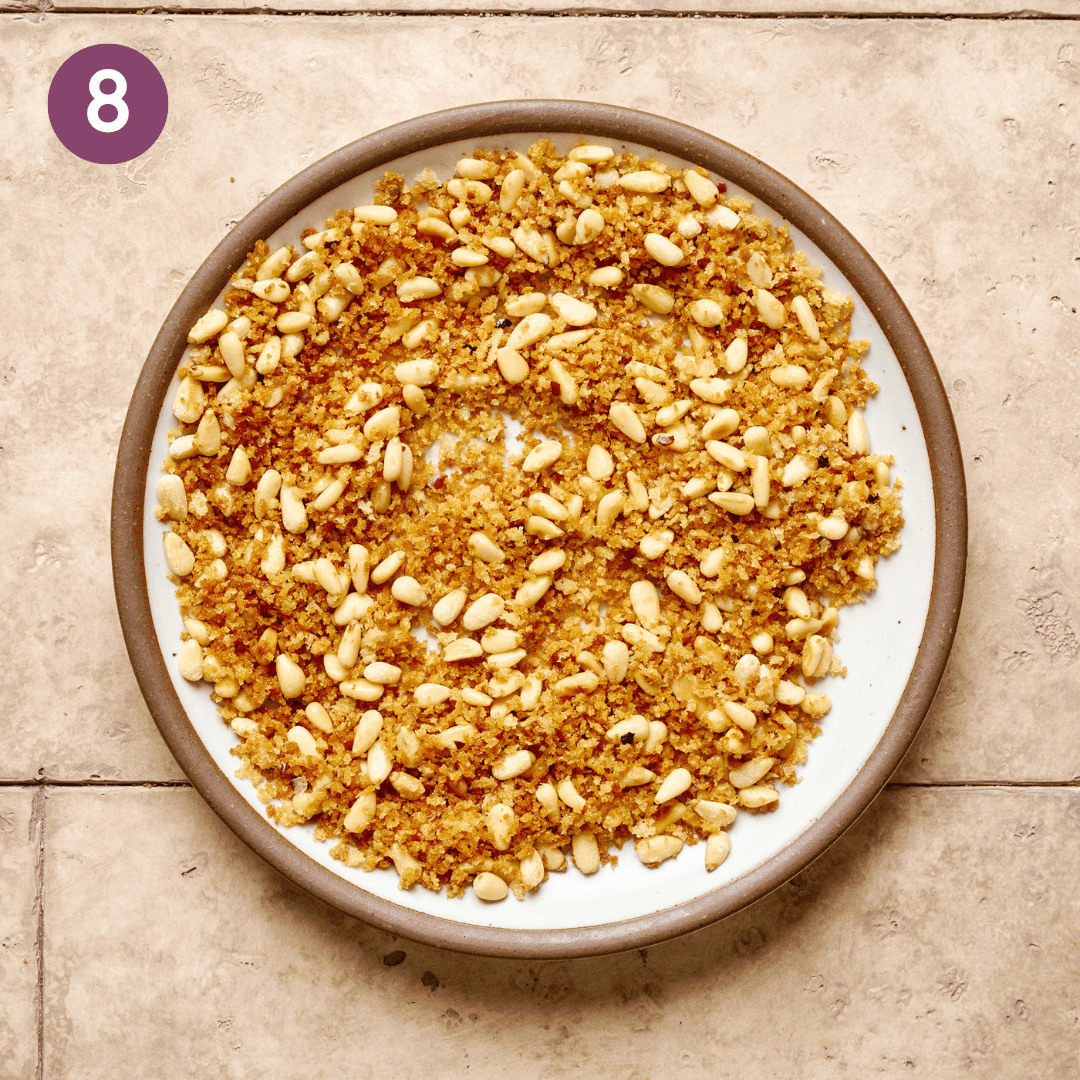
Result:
[906,950]
[948,148]
[20,847]
[938,937]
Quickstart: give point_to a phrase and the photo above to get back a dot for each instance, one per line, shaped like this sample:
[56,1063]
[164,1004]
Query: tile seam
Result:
[37,840]
[1023,15]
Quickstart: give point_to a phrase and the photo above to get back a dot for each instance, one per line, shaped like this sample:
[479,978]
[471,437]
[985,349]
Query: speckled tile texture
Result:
[938,938]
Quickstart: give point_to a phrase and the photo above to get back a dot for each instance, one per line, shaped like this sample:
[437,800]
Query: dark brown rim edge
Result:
[485,122]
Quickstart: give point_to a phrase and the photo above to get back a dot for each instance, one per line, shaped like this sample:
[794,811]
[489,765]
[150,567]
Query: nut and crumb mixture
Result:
[512,516]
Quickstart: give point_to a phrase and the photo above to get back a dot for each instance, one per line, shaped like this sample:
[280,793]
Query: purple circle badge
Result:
[108,104]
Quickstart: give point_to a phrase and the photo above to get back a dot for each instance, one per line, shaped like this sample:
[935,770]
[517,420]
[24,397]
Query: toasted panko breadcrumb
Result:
[512,516]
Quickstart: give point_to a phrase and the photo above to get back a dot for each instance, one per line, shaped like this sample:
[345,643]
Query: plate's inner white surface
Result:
[878,641]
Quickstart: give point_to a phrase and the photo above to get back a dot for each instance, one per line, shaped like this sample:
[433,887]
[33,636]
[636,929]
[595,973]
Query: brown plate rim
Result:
[486,121]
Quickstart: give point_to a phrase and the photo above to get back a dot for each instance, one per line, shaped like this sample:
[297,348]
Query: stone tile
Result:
[947,147]
[20,845]
[938,936]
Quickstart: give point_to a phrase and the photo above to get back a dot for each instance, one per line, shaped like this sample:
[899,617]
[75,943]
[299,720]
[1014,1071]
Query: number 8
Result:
[115,99]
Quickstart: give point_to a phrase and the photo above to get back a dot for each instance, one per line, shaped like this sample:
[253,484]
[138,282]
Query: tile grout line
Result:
[1022,15]
[37,838]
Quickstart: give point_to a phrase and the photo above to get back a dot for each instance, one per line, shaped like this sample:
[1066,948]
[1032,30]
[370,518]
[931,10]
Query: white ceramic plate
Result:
[628,905]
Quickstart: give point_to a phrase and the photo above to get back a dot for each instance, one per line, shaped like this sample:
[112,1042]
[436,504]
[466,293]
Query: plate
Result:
[895,646]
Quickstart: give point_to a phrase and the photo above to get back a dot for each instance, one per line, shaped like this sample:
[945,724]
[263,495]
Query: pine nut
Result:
[790,376]
[460,734]
[717,847]
[513,764]
[757,797]
[530,330]
[211,324]
[833,527]
[711,390]
[749,774]
[540,457]
[758,270]
[714,815]
[361,814]
[490,887]
[606,277]
[663,250]
[485,549]
[586,852]
[684,587]
[569,795]
[449,607]
[415,399]
[733,502]
[546,506]
[591,153]
[512,365]
[348,649]
[600,464]
[730,457]
[645,601]
[816,705]
[383,425]
[627,421]
[653,545]
[274,264]
[654,298]
[375,215]
[799,628]
[706,312]
[672,414]
[189,661]
[482,612]
[417,372]
[418,288]
[637,635]
[463,256]
[380,497]
[799,468]
[572,311]
[584,682]
[380,763]
[462,649]
[858,439]
[722,423]
[290,677]
[473,192]
[702,190]
[430,225]
[173,497]
[645,180]
[546,796]
[674,784]
[653,850]
[367,396]
[796,602]
[609,509]
[881,474]
[864,568]
[408,590]
[773,314]
[801,306]
[178,555]
[634,729]
[428,695]
[304,742]
[740,714]
[542,527]
[652,393]
[816,656]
